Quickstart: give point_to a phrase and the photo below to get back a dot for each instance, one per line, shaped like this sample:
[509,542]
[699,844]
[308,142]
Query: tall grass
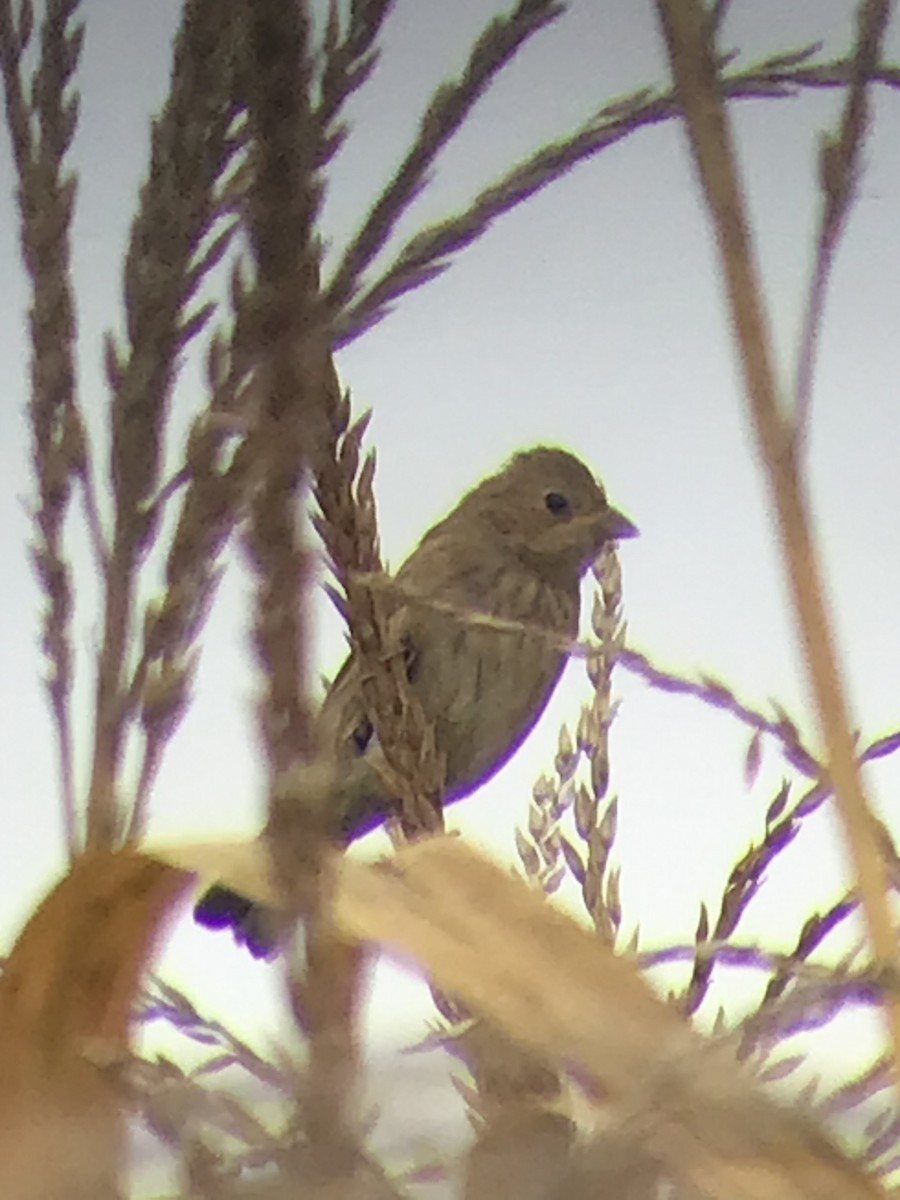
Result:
[541,1011]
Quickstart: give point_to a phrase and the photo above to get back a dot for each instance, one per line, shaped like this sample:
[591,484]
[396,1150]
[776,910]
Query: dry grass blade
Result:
[245,867]
[191,150]
[42,132]
[497,944]
[696,80]
[65,1005]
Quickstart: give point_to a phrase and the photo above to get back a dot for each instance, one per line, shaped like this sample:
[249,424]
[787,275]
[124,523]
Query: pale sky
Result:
[590,317]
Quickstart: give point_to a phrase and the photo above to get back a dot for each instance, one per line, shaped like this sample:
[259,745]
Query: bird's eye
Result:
[557,504]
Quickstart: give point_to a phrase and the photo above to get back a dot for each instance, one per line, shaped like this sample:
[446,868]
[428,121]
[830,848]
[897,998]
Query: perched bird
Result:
[514,548]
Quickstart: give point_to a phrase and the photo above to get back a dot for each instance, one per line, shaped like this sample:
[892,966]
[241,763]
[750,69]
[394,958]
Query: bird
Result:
[513,549]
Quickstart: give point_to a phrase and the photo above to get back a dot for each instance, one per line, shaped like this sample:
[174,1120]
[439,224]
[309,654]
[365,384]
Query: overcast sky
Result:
[590,317]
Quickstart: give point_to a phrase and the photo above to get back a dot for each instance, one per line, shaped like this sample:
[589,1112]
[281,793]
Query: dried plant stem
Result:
[684,27]
[94,521]
[839,166]
[542,845]
[705,688]
[295,374]
[330,1001]
[283,201]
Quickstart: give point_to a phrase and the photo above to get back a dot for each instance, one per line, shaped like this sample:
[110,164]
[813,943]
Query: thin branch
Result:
[718,694]
[93,520]
[732,954]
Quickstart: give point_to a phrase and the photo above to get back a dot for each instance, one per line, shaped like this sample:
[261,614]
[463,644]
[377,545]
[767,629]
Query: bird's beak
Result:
[616,526]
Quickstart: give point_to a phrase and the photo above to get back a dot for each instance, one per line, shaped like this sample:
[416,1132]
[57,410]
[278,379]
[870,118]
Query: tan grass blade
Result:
[243,866]
[498,945]
[66,996]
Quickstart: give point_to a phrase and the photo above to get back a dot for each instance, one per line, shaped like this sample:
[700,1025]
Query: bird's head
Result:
[549,510]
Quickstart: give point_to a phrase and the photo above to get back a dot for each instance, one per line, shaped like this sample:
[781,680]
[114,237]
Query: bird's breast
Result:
[485,685]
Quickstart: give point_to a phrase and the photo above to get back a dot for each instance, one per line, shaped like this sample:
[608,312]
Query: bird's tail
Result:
[253,925]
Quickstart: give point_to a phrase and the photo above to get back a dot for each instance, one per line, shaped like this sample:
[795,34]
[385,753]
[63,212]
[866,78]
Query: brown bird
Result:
[514,548]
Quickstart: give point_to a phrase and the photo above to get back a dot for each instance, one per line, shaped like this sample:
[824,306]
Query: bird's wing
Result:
[343,725]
